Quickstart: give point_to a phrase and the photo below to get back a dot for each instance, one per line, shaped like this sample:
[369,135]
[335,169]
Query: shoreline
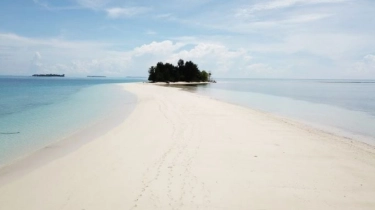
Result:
[362,141]
[63,146]
[183,150]
[326,128]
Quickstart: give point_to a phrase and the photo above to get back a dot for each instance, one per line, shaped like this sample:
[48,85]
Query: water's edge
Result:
[61,147]
[321,126]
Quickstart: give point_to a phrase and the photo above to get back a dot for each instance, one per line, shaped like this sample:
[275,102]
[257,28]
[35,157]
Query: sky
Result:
[305,39]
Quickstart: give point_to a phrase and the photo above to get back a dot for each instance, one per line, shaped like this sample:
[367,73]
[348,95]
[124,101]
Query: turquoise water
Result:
[35,112]
[344,107]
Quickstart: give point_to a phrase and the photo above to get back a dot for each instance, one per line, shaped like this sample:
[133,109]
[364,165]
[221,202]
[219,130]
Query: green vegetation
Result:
[187,72]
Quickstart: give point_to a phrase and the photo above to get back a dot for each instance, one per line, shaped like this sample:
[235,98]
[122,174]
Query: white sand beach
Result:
[180,150]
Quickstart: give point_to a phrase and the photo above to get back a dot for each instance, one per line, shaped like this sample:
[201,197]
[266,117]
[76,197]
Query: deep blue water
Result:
[346,107]
[35,112]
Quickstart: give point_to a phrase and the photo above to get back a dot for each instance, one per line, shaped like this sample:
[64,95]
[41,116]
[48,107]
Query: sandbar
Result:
[181,150]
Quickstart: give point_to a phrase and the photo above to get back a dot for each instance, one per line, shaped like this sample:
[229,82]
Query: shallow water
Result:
[36,112]
[345,107]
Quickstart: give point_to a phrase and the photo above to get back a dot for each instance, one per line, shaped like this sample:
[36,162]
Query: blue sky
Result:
[253,38]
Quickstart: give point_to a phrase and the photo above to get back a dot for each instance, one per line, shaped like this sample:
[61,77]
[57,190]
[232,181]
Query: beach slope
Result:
[180,150]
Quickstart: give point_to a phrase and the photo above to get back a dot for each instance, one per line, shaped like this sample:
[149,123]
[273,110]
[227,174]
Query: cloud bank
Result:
[263,39]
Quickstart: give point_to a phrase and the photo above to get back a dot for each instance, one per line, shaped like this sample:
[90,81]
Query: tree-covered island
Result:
[184,71]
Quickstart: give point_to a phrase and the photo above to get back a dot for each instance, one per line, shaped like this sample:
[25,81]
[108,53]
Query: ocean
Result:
[36,112]
[343,107]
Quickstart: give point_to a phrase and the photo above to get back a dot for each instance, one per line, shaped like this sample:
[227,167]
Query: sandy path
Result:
[179,150]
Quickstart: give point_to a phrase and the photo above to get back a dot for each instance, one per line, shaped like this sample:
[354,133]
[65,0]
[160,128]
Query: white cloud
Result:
[280,4]
[125,12]
[204,49]
[41,3]
[277,24]
[36,63]
[45,4]
[280,15]
[213,56]
[363,68]
[112,64]
[334,46]
[37,56]
[164,47]
[93,4]
[97,5]
[70,56]
[370,59]
[311,38]
[29,55]
[306,18]
[15,40]
[81,58]
[274,5]
[240,19]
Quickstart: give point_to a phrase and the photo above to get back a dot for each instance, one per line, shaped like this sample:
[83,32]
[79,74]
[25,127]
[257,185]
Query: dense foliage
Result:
[188,72]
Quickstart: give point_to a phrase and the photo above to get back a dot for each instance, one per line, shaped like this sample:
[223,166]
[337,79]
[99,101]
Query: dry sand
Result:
[180,150]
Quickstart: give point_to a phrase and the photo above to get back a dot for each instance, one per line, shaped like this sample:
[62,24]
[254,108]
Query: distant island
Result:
[95,76]
[48,75]
[183,72]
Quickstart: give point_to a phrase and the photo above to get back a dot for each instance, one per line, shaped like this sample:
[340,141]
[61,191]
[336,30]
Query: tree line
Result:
[184,71]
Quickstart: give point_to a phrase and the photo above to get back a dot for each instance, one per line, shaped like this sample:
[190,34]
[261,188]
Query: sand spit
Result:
[180,150]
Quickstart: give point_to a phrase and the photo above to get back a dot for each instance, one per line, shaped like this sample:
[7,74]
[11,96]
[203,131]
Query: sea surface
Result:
[343,107]
[36,112]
